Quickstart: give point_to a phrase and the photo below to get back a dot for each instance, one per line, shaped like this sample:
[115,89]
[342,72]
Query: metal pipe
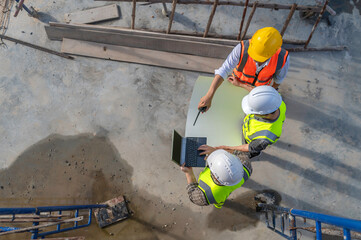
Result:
[346,234]
[316,23]
[133,13]
[243,16]
[211,17]
[288,19]
[249,19]
[171,16]
[351,224]
[318,230]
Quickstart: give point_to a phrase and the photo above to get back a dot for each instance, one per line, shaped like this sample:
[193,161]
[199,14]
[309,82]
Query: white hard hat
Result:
[261,100]
[225,167]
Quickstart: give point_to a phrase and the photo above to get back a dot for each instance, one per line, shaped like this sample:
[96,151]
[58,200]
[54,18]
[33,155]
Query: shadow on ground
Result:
[88,169]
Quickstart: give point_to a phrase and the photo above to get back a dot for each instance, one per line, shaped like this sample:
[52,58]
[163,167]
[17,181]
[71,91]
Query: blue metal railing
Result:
[58,209]
[346,224]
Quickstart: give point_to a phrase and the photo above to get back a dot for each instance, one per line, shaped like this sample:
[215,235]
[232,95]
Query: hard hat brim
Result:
[255,56]
[245,105]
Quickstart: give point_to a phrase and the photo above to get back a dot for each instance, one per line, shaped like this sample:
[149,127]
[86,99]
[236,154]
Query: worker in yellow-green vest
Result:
[265,113]
[224,173]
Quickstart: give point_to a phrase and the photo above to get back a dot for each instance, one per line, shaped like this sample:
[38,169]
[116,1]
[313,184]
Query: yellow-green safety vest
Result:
[214,193]
[258,128]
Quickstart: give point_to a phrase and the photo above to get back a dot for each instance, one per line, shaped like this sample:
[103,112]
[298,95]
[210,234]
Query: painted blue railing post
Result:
[346,224]
[318,230]
[346,234]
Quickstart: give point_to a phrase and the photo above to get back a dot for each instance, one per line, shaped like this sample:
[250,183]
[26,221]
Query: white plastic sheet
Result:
[222,124]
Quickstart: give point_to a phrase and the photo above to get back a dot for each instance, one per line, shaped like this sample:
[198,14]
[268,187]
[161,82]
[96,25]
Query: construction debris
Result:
[41,226]
[93,15]
[35,47]
[117,211]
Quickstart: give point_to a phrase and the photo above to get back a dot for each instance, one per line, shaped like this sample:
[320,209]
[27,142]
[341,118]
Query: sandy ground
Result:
[84,131]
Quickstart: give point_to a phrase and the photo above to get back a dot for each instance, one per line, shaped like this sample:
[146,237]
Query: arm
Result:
[281,74]
[195,194]
[220,74]
[242,148]
[189,174]
[234,81]
[206,101]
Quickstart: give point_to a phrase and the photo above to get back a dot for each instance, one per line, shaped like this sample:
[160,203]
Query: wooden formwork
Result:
[292,7]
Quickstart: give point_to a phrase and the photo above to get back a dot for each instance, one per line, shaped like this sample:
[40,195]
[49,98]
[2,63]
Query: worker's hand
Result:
[186,169]
[206,150]
[237,83]
[206,101]
[225,148]
[234,81]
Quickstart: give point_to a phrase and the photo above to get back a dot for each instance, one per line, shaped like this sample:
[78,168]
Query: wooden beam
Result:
[179,35]
[316,23]
[211,18]
[288,19]
[243,16]
[315,9]
[171,16]
[26,216]
[41,226]
[141,56]
[25,220]
[36,47]
[133,13]
[302,49]
[138,41]
[67,238]
[249,19]
[93,15]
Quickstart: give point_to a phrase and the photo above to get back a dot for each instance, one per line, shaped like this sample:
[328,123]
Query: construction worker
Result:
[253,63]
[224,173]
[265,113]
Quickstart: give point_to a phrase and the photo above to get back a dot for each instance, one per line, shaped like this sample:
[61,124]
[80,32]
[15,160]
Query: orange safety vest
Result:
[245,71]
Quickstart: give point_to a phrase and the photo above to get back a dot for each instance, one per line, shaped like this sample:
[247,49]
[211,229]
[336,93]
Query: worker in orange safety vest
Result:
[255,62]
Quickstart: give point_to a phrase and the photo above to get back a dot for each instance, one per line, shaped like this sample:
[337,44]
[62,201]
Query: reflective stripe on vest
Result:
[208,191]
[216,194]
[246,70]
[260,129]
[265,133]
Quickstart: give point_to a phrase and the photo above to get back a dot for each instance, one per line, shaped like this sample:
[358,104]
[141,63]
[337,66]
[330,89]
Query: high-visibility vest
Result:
[258,128]
[246,69]
[214,193]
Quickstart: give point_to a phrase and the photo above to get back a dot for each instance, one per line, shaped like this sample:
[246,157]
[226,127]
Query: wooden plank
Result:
[153,43]
[141,56]
[67,238]
[93,15]
[42,215]
[145,33]
[25,220]
[41,226]
[40,48]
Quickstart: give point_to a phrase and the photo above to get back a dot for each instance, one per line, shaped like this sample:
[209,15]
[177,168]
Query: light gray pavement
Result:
[84,131]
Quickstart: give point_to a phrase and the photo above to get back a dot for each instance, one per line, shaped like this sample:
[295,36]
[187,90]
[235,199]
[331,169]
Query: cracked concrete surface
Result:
[84,131]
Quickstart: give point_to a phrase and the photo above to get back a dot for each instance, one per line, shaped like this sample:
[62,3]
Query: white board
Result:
[222,123]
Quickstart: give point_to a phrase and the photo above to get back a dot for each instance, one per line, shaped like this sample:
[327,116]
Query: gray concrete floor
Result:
[84,131]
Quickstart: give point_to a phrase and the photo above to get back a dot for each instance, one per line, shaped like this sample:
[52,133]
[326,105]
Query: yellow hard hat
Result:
[264,43]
